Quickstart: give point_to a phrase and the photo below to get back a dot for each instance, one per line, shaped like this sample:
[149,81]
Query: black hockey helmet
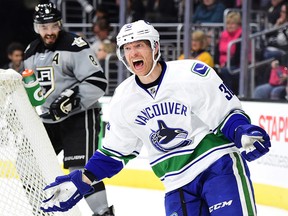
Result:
[46,13]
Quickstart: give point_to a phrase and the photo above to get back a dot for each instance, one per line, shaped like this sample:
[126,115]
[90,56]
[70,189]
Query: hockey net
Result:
[27,159]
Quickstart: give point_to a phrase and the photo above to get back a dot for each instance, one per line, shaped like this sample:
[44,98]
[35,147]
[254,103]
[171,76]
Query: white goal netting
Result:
[27,159]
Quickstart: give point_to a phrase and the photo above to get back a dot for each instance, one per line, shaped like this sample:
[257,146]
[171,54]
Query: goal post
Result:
[27,159]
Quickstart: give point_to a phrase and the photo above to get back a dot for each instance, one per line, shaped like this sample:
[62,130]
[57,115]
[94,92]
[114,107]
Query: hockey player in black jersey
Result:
[72,81]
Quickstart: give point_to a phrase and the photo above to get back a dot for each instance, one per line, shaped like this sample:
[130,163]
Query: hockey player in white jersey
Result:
[197,136]
[72,81]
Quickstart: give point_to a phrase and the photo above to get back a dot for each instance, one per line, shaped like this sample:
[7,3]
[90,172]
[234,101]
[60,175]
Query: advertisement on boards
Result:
[272,168]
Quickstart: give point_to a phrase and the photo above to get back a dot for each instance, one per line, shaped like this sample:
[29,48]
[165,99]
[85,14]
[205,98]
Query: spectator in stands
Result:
[232,32]
[15,53]
[161,11]
[110,65]
[105,48]
[102,31]
[283,18]
[209,11]
[277,83]
[278,42]
[100,12]
[274,10]
[199,51]
[136,10]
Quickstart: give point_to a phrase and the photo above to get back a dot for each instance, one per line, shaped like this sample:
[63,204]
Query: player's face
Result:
[49,32]
[138,55]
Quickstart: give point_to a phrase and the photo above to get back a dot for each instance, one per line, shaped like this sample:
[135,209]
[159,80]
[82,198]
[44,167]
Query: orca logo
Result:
[165,138]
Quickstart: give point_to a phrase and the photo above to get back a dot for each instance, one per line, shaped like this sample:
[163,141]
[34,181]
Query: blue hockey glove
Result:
[253,141]
[65,192]
[64,104]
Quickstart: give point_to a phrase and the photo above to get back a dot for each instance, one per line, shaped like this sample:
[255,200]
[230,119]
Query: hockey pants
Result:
[224,189]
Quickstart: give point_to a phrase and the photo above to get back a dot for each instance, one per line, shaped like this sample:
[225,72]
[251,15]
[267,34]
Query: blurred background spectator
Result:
[275,88]
[135,10]
[232,31]
[199,44]
[15,53]
[273,9]
[209,11]
[100,12]
[106,47]
[277,42]
[101,31]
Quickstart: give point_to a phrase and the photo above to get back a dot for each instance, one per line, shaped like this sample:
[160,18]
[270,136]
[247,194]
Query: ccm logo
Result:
[220,205]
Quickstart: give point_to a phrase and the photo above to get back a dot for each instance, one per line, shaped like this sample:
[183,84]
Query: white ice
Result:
[142,202]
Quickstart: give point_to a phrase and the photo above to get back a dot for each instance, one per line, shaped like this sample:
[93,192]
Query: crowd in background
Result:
[102,38]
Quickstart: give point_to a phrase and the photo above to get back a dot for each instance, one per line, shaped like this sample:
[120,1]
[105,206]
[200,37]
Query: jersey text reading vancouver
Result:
[164,108]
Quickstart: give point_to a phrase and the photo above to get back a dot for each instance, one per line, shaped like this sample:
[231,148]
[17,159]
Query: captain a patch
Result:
[200,69]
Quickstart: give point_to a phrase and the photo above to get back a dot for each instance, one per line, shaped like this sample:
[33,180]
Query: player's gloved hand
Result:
[65,192]
[64,104]
[252,140]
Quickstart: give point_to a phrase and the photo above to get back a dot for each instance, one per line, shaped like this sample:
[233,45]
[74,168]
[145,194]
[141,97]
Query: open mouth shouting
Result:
[138,64]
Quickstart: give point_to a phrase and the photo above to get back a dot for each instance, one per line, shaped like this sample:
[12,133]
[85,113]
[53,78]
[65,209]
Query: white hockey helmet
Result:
[136,31]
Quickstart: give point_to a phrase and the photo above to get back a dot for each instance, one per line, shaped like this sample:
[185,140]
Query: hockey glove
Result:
[65,192]
[252,140]
[64,104]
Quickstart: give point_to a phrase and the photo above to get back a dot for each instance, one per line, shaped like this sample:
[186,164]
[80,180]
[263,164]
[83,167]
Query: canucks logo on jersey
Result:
[166,139]
[200,69]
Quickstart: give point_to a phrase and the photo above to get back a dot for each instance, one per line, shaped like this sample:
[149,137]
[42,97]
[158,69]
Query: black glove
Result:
[64,104]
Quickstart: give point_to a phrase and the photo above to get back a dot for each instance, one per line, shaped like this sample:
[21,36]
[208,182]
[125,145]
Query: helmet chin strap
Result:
[154,63]
[153,66]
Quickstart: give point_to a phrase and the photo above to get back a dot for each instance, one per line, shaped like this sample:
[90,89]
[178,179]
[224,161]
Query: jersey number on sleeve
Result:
[227,92]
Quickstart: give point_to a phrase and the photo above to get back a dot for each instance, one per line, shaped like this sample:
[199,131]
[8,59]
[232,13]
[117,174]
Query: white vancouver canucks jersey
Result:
[174,122]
